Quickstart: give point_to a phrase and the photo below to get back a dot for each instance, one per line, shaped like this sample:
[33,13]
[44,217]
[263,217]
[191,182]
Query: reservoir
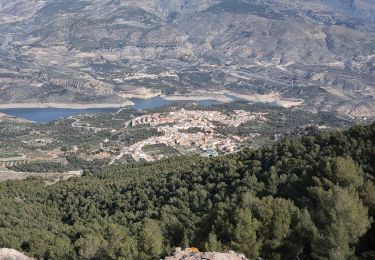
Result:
[157,102]
[44,115]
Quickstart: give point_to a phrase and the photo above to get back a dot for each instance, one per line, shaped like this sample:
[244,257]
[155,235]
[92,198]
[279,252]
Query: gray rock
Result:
[189,254]
[11,254]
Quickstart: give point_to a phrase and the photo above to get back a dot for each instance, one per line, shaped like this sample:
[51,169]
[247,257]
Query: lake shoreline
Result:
[215,97]
[66,105]
[46,112]
[222,97]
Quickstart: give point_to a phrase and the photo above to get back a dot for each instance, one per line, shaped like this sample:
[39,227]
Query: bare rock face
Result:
[192,254]
[11,254]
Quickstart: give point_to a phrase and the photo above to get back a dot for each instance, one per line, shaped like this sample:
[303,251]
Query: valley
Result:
[92,140]
[187,129]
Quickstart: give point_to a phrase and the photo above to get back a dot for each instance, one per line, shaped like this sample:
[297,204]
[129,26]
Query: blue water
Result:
[234,98]
[157,102]
[150,103]
[44,115]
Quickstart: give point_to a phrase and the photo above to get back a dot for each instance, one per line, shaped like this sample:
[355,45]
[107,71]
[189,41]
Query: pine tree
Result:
[150,240]
[244,234]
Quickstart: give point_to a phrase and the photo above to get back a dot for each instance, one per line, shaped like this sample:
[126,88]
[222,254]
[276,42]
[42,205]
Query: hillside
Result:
[310,198]
[317,54]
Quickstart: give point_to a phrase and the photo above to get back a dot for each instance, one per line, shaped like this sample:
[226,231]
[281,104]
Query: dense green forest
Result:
[306,198]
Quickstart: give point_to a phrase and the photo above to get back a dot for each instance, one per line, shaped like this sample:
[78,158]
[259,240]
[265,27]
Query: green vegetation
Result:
[41,166]
[312,198]
[192,130]
[160,149]
[9,155]
[133,135]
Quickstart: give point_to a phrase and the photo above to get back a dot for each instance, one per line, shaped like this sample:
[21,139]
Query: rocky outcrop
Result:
[11,254]
[193,254]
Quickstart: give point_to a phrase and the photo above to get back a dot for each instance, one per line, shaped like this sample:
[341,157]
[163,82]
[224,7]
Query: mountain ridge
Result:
[100,51]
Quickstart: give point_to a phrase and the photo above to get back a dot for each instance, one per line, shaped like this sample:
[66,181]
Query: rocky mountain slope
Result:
[317,51]
[189,254]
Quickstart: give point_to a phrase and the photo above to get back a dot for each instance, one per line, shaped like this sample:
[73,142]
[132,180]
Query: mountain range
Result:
[320,53]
